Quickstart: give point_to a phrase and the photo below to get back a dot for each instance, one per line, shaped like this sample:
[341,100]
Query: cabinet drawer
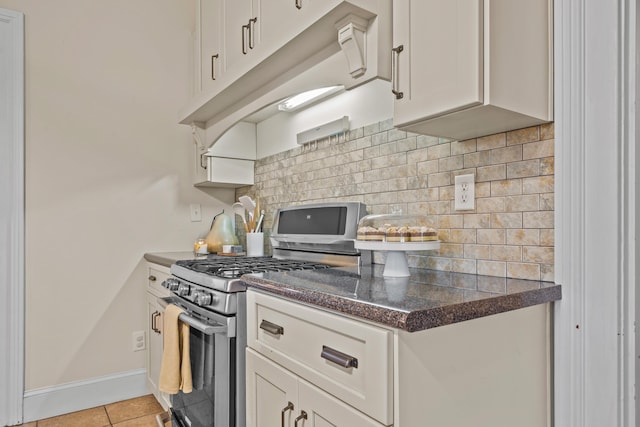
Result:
[156,274]
[296,336]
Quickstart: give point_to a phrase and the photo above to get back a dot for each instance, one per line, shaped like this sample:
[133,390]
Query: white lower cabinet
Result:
[279,398]
[494,371]
[155,317]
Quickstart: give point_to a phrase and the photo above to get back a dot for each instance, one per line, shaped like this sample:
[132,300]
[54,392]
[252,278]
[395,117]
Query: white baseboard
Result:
[61,399]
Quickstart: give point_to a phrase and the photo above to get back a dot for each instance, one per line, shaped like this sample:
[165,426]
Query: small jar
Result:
[200,247]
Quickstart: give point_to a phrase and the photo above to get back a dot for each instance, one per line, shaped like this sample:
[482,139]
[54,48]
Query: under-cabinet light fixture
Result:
[305,98]
[335,127]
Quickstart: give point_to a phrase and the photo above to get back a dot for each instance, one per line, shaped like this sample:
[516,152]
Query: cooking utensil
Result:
[259,224]
[238,209]
[248,204]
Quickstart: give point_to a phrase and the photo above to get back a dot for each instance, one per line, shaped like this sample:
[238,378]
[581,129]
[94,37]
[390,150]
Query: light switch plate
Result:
[465,193]
[195,212]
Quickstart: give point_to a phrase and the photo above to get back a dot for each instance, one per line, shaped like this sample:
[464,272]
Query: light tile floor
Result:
[138,412]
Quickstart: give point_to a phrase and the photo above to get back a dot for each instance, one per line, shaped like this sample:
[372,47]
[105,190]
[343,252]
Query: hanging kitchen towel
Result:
[175,370]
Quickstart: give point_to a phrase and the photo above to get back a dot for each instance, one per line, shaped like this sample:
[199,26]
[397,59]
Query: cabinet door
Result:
[211,27]
[155,315]
[270,389]
[440,67]
[324,410]
[237,16]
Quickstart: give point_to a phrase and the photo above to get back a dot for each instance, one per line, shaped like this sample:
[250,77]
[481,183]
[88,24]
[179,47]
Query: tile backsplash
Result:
[510,233]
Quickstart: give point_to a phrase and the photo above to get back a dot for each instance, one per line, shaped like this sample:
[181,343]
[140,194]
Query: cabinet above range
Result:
[247,48]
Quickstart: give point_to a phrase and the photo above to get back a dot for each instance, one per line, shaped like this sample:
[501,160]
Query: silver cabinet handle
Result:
[245,29]
[252,23]
[302,416]
[298,4]
[395,64]
[272,328]
[213,66]
[289,407]
[152,278]
[339,358]
[154,320]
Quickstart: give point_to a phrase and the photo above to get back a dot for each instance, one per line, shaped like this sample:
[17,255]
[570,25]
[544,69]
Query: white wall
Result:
[107,175]
[365,105]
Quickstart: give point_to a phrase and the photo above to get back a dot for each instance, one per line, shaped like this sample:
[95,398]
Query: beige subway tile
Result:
[450,163]
[463,236]
[428,167]
[508,187]
[397,159]
[371,129]
[438,208]
[547,166]
[547,272]
[483,189]
[424,141]
[406,196]
[547,237]
[419,181]
[521,136]
[538,149]
[507,220]
[396,134]
[444,235]
[506,155]
[450,221]
[492,268]
[407,144]
[439,179]
[417,156]
[543,219]
[452,250]
[439,151]
[490,204]
[473,251]
[491,236]
[492,141]
[529,202]
[491,173]
[540,184]
[417,208]
[523,236]
[389,148]
[437,263]
[463,147]
[547,201]
[477,220]
[398,184]
[547,131]
[521,270]
[523,169]
[447,192]
[539,254]
[379,138]
[480,158]
[506,253]
[463,266]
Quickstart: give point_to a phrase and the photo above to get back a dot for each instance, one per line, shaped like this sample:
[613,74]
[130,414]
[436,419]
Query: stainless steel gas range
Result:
[211,292]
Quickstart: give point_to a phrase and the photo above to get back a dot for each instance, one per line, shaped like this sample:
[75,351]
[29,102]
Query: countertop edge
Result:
[411,321]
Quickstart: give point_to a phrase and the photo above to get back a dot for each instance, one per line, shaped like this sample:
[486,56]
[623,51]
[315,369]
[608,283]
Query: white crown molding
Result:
[11,216]
[62,399]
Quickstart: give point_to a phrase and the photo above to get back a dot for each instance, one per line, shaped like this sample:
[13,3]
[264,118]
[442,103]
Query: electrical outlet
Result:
[139,342]
[465,193]
[196,214]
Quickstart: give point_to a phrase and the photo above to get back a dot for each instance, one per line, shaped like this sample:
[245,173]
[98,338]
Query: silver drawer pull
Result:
[289,407]
[302,416]
[338,357]
[272,328]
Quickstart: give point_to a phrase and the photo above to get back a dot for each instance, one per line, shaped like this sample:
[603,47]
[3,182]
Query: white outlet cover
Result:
[465,192]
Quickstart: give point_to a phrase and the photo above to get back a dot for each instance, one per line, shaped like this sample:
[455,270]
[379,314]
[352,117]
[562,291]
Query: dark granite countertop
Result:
[425,300]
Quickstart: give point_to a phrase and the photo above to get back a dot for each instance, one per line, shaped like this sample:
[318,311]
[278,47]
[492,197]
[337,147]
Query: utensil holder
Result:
[255,244]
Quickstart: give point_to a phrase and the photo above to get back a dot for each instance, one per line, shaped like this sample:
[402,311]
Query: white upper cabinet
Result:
[467,68]
[241,20]
[210,48]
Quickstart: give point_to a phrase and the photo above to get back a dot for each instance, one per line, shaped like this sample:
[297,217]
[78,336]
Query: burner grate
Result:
[236,267]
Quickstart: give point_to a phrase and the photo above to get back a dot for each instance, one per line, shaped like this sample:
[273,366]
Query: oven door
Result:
[213,367]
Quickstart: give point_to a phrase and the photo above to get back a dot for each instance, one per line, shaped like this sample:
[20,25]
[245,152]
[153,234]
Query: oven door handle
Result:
[205,328]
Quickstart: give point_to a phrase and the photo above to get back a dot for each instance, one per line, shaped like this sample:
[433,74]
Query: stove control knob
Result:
[183,289]
[204,298]
[171,284]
